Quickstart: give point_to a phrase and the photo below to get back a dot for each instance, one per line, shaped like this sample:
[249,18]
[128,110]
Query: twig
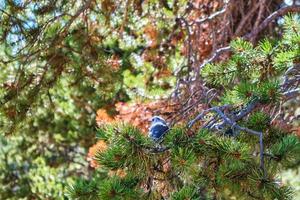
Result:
[245,19]
[189,41]
[291,93]
[249,108]
[262,7]
[158,149]
[216,54]
[278,112]
[212,16]
[280,12]
[203,113]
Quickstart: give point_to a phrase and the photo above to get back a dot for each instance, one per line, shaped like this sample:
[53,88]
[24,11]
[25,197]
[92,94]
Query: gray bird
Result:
[158,128]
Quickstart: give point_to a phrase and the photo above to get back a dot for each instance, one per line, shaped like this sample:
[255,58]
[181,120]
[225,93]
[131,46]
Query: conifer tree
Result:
[62,60]
[231,149]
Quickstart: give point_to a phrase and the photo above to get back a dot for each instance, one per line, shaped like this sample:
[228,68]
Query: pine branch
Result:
[231,122]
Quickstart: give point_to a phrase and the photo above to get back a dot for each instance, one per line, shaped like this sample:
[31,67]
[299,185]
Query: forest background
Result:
[68,68]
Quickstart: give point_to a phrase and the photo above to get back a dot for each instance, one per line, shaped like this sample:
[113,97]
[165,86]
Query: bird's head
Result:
[157,119]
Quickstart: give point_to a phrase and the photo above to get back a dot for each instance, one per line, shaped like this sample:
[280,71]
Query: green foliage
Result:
[202,164]
[28,175]
[83,189]
[259,121]
[186,192]
[116,188]
[177,137]
[285,151]
[125,145]
[110,188]
[266,92]
[182,159]
[43,181]
[255,71]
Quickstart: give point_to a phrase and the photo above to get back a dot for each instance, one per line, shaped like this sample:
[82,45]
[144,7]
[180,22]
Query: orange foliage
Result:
[152,34]
[296,131]
[102,117]
[100,146]
[164,72]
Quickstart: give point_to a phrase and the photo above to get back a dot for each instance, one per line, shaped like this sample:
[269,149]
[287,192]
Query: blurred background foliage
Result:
[60,62]
[63,60]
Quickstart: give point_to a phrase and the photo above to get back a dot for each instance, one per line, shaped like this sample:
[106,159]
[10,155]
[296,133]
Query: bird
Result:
[158,128]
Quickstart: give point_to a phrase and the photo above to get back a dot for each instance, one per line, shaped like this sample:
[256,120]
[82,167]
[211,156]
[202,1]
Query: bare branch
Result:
[252,36]
[212,16]
[215,56]
[203,113]
[245,19]
[282,11]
